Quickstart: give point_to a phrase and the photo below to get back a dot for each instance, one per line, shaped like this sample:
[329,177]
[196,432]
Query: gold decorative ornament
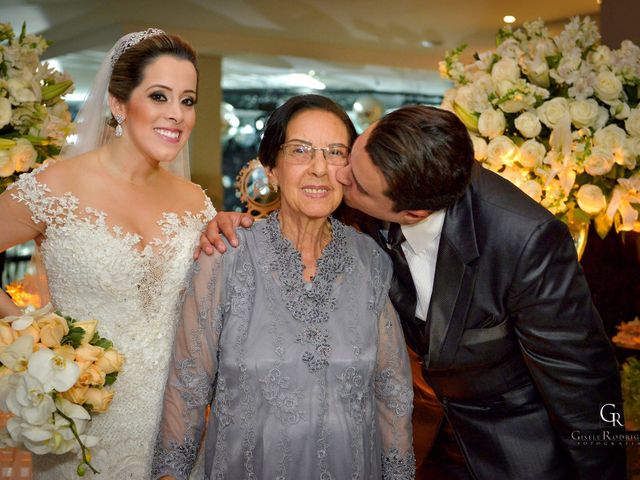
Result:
[252,185]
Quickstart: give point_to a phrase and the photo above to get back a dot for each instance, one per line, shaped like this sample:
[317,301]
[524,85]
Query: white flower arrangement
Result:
[558,117]
[55,374]
[34,120]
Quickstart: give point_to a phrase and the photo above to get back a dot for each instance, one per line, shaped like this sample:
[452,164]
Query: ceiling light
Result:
[509,19]
[303,80]
[427,43]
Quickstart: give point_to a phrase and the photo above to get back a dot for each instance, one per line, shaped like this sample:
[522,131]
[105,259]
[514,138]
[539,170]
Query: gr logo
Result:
[610,415]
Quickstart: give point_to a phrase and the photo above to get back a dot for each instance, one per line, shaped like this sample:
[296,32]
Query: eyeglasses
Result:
[301,154]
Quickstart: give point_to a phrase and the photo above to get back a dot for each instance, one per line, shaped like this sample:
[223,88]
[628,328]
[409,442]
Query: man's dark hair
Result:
[276,128]
[425,155]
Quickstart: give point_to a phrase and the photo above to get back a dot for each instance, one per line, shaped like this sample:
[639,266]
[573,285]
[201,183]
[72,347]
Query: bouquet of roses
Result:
[557,116]
[34,120]
[55,374]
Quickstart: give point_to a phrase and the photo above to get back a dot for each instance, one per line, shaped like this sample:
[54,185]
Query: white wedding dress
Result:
[96,270]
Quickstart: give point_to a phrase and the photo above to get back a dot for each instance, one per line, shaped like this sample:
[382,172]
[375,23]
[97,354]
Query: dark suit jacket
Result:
[513,345]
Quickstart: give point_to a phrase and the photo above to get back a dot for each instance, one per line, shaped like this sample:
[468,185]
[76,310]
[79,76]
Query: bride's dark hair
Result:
[128,70]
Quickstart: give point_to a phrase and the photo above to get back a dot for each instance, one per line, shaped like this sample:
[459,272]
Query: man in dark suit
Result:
[514,377]
[494,306]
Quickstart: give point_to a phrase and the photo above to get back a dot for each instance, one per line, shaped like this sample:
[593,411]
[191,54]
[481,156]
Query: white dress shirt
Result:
[421,251]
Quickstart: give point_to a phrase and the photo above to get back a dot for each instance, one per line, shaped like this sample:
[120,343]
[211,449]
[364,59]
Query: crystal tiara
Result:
[129,40]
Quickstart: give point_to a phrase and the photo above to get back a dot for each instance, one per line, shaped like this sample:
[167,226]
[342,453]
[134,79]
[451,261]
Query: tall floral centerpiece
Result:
[558,116]
[34,120]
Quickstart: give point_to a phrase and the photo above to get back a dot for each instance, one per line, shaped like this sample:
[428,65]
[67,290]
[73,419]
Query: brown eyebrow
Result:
[305,142]
[159,85]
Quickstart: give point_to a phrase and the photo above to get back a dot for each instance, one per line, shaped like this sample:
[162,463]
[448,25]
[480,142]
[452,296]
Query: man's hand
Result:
[223,224]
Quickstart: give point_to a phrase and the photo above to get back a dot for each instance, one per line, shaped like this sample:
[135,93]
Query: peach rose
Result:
[7,334]
[88,353]
[99,399]
[66,351]
[89,327]
[76,394]
[92,375]
[111,361]
[52,328]
[32,330]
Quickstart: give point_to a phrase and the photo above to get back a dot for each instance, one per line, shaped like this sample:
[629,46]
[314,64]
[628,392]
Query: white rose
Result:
[479,147]
[505,69]
[632,123]
[600,56]
[631,152]
[607,86]
[533,189]
[20,91]
[599,162]
[591,199]
[23,154]
[5,111]
[7,165]
[620,110]
[551,111]
[584,113]
[491,123]
[501,150]
[603,118]
[532,154]
[483,81]
[537,70]
[611,137]
[528,124]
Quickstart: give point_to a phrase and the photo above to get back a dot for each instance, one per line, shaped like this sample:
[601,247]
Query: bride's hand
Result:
[223,224]
[7,307]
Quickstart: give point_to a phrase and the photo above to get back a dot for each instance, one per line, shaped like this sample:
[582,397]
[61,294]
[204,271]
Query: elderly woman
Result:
[291,337]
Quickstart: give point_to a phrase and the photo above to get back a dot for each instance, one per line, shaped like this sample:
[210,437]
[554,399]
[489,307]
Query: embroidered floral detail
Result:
[397,396]
[352,388]
[194,385]
[221,407]
[398,467]
[310,303]
[177,460]
[275,391]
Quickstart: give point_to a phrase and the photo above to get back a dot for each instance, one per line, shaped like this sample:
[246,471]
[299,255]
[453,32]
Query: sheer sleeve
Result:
[394,398]
[192,371]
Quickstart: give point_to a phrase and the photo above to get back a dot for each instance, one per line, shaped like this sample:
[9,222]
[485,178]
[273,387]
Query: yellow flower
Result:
[7,334]
[76,394]
[88,353]
[111,361]
[92,375]
[52,328]
[89,327]
[66,351]
[99,399]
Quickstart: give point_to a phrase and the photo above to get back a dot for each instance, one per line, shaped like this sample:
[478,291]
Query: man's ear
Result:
[410,217]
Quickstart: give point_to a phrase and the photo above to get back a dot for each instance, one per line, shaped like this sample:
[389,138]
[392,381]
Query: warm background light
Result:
[509,19]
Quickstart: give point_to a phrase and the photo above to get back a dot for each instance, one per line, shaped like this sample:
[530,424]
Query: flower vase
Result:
[579,232]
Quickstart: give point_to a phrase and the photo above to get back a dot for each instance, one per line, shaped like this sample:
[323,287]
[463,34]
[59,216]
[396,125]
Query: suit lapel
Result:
[454,283]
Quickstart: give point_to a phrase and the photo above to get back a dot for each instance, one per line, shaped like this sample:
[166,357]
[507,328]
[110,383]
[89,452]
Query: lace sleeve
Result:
[192,371]
[44,208]
[394,398]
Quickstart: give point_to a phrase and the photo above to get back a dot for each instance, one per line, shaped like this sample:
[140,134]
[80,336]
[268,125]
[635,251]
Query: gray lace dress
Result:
[306,380]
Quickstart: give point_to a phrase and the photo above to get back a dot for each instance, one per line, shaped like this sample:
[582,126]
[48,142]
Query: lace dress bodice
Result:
[97,270]
[306,380]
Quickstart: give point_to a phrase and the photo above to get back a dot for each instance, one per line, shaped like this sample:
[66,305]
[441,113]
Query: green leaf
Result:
[74,337]
[110,378]
[98,341]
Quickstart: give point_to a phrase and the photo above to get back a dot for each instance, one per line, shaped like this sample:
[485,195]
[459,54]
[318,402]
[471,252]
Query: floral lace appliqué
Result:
[310,303]
[398,467]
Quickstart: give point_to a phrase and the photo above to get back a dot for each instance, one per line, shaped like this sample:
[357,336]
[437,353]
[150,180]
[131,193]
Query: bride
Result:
[117,233]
